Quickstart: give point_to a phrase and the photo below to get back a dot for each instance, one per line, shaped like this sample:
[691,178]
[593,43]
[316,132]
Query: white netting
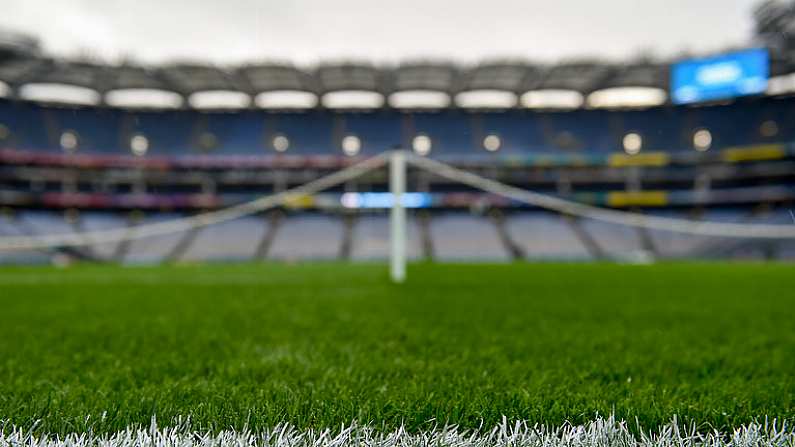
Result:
[197,221]
[703,228]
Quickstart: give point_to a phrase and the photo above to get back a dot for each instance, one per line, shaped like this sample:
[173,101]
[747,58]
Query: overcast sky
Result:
[306,31]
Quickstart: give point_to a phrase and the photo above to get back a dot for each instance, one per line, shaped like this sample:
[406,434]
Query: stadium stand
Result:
[74,166]
[308,236]
[228,241]
[453,239]
[179,133]
[546,236]
[98,221]
[371,238]
[155,249]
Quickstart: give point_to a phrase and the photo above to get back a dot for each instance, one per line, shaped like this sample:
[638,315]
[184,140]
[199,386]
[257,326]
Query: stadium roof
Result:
[350,85]
[491,85]
[26,74]
[17,44]
[421,85]
[642,84]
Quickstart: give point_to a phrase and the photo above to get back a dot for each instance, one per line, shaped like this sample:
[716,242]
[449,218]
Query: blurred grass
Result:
[319,345]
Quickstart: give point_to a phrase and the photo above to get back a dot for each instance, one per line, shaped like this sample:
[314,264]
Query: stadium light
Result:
[781,85]
[59,94]
[486,99]
[219,99]
[492,143]
[143,98]
[633,143]
[139,145]
[422,144]
[286,100]
[5,90]
[627,97]
[419,99]
[702,140]
[353,99]
[69,141]
[556,99]
[280,143]
[351,145]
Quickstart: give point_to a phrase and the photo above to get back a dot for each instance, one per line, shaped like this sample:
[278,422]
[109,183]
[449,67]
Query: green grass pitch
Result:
[320,345]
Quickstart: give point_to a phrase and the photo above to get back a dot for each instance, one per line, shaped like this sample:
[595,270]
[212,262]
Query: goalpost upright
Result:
[397,186]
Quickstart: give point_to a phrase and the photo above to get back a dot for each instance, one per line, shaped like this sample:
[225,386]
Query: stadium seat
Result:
[546,236]
[307,237]
[234,240]
[464,237]
[371,238]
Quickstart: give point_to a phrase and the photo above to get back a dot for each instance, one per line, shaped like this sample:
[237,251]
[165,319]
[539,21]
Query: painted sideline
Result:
[601,432]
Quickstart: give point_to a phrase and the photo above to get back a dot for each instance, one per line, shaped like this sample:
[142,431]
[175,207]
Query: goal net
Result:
[426,209]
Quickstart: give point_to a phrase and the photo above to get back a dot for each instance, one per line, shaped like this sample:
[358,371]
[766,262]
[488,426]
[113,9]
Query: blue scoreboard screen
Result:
[720,77]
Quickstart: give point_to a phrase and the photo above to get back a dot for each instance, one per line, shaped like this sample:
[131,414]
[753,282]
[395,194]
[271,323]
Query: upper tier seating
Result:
[453,132]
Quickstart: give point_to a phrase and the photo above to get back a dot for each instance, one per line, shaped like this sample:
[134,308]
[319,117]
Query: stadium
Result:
[585,252]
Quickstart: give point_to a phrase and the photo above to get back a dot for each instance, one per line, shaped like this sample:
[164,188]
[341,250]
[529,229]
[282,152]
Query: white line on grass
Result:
[601,432]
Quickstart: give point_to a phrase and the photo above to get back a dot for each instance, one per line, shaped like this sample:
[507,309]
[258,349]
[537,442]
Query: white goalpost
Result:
[397,217]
